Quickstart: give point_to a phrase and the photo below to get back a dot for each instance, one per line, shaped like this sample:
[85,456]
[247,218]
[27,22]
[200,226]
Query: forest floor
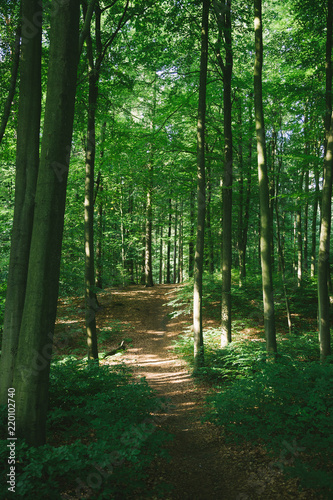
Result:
[201,465]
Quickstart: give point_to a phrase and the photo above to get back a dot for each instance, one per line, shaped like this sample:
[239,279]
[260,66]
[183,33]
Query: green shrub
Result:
[286,402]
[101,435]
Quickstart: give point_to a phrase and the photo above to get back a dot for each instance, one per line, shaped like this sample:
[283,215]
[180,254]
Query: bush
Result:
[288,407]
[101,436]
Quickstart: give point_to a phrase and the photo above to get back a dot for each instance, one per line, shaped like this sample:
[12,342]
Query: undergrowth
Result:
[287,406]
[101,436]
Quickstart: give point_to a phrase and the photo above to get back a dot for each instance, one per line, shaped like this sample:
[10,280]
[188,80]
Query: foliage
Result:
[101,435]
[288,402]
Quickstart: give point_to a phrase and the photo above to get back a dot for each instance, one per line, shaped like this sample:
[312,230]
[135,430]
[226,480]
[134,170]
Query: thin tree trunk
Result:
[224,25]
[314,225]
[100,228]
[149,223]
[325,226]
[90,294]
[246,209]
[27,161]
[299,236]
[31,378]
[37,11]
[280,249]
[175,246]
[99,245]
[208,219]
[191,241]
[324,252]
[201,195]
[168,276]
[161,257]
[265,222]
[180,245]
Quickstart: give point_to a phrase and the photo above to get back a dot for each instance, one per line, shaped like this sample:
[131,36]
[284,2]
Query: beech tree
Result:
[201,194]
[31,370]
[326,200]
[223,16]
[27,161]
[265,215]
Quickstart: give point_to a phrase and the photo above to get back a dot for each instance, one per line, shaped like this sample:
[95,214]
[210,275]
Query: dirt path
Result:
[202,466]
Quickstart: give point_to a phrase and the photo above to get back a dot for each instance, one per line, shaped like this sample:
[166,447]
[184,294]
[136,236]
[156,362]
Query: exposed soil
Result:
[202,466]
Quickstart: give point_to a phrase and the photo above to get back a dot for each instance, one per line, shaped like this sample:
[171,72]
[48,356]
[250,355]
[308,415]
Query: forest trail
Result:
[202,466]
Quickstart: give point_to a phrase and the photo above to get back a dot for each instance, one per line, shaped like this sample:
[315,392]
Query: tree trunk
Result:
[160,277]
[27,161]
[168,276]
[180,245]
[265,222]
[149,223]
[99,245]
[175,246]
[37,12]
[210,245]
[191,241]
[201,196]
[90,293]
[324,252]
[224,25]
[325,226]
[100,228]
[299,236]
[314,225]
[246,208]
[31,378]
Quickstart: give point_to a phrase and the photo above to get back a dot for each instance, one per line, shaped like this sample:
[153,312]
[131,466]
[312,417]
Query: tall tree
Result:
[223,15]
[265,219]
[201,196]
[325,227]
[15,62]
[94,70]
[27,160]
[31,374]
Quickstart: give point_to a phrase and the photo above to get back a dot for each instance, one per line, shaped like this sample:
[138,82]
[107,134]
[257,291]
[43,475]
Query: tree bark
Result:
[191,241]
[324,252]
[224,25]
[149,223]
[299,235]
[325,226]
[16,59]
[90,292]
[160,274]
[31,377]
[265,219]
[314,225]
[168,274]
[210,245]
[175,245]
[27,161]
[201,195]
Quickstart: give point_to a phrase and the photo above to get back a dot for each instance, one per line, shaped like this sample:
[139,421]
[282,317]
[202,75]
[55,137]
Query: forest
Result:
[166,184]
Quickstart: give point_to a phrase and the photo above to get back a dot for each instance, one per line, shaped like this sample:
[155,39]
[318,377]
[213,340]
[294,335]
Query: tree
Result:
[27,160]
[15,64]
[223,15]
[325,227]
[36,333]
[201,201]
[265,219]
